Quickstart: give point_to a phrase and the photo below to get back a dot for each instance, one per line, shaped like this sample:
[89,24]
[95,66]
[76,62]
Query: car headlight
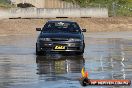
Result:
[76,40]
[44,39]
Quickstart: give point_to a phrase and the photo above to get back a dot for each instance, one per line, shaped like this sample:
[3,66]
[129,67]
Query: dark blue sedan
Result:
[60,36]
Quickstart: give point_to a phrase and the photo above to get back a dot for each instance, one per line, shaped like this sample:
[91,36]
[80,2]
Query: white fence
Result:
[53,13]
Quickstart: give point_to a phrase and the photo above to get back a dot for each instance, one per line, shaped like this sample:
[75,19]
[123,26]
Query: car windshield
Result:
[52,27]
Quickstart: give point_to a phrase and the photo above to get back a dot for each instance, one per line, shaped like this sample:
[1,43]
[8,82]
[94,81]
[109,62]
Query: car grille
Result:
[59,39]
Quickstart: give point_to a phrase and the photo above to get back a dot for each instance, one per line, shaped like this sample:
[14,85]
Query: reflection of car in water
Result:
[60,36]
[61,65]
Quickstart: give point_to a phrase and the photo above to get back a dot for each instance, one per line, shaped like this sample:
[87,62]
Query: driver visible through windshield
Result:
[52,27]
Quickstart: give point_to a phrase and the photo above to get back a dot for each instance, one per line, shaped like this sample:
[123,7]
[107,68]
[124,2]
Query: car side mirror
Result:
[84,30]
[38,29]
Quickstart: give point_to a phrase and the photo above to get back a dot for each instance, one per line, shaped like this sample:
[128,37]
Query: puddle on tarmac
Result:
[104,58]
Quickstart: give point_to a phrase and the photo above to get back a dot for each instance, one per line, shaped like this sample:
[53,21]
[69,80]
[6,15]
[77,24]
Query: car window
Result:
[61,27]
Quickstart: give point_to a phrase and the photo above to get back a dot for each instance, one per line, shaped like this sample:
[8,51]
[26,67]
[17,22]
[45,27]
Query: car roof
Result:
[65,21]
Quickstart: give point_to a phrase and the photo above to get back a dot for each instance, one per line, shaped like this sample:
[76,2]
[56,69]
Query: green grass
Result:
[119,10]
[124,9]
[5,4]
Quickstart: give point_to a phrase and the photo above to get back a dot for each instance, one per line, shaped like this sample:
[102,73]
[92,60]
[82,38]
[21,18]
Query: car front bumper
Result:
[69,46]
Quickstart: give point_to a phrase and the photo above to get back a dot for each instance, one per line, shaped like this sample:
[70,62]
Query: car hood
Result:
[60,35]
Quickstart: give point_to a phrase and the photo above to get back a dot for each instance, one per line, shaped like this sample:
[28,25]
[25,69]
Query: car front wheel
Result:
[79,53]
[38,52]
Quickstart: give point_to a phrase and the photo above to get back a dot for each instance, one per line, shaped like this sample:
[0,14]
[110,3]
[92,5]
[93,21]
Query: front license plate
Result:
[59,47]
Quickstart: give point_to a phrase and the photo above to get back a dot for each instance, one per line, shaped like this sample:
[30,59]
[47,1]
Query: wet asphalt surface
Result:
[104,58]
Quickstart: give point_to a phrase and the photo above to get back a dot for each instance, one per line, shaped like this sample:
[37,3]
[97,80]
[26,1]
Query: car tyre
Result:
[81,53]
[38,52]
